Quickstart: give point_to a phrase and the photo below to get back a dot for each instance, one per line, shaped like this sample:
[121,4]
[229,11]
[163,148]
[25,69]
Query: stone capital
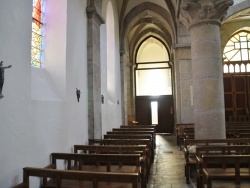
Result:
[194,12]
[92,13]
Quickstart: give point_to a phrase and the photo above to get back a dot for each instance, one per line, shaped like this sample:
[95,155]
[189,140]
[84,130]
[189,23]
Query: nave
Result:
[167,168]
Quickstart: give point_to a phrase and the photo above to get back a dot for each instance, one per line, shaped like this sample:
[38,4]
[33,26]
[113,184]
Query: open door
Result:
[156,110]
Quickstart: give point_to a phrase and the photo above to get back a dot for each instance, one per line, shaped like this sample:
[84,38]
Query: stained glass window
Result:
[236,53]
[37,34]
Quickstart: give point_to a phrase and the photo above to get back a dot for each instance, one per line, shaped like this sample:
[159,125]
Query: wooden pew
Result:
[146,142]
[224,172]
[216,150]
[133,136]
[134,132]
[139,126]
[189,133]
[118,149]
[134,129]
[190,149]
[237,132]
[180,135]
[128,136]
[118,163]
[71,178]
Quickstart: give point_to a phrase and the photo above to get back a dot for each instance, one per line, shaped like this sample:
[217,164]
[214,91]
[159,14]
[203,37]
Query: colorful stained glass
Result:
[37,34]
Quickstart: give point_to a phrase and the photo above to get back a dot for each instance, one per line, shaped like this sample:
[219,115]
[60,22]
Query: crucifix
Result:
[2,76]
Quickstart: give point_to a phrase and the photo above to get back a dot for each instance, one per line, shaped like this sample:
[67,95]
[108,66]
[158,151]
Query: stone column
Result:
[203,19]
[124,88]
[94,72]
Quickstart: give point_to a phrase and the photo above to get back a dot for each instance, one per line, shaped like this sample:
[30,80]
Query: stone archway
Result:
[144,20]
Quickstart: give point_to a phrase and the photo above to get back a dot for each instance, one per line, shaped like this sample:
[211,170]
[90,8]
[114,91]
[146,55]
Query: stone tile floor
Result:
[168,167]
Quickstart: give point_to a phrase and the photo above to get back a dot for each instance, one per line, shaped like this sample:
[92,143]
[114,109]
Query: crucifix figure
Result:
[2,77]
[78,94]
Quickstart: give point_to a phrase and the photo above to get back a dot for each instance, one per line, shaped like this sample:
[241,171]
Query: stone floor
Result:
[168,168]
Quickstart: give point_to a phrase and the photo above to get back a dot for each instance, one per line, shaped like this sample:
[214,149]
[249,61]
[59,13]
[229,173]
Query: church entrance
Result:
[156,110]
[153,86]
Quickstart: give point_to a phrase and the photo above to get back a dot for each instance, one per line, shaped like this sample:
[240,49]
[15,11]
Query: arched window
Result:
[237,52]
[37,33]
[110,35]
[153,71]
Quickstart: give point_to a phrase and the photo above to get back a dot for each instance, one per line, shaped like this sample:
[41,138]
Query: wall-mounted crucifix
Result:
[2,76]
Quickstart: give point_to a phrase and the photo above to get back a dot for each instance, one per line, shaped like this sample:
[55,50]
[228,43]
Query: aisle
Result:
[168,168]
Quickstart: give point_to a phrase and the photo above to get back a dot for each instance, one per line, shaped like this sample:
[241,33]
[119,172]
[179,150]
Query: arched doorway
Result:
[153,86]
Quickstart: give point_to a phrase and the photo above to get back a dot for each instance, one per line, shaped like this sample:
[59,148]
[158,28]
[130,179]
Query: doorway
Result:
[153,86]
[157,110]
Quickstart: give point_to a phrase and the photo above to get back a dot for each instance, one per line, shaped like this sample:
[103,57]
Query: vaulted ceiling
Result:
[142,19]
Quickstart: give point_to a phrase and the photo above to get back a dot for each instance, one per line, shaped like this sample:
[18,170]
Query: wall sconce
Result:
[118,102]
[102,99]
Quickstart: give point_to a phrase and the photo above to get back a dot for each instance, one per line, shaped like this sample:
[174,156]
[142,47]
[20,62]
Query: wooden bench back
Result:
[238,132]
[225,159]
[130,132]
[232,141]
[218,151]
[107,159]
[146,142]
[138,126]
[129,136]
[236,160]
[134,129]
[111,149]
[223,150]
[59,175]
[132,142]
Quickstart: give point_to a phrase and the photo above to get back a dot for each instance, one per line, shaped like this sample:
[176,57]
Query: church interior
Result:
[165,74]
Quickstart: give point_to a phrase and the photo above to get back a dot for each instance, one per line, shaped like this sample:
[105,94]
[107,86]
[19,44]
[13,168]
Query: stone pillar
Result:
[94,72]
[203,19]
[124,88]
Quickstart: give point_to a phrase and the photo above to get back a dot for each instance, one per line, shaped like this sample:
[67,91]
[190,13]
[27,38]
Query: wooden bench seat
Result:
[240,170]
[79,179]
[118,149]
[119,163]
[190,149]
[216,150]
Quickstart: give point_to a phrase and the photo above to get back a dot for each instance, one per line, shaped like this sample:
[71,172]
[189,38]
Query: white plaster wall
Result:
[111,110]
[32,129]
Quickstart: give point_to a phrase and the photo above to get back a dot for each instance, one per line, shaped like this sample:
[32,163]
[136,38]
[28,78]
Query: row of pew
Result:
[233,130]
[121,159]
[217,159]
